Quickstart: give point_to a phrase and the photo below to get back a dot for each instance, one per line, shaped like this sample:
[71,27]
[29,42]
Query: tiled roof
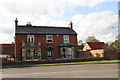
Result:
[44,30]
[97,45]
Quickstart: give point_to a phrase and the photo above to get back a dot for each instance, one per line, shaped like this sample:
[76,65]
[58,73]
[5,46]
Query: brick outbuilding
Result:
[98,49]
[8,49]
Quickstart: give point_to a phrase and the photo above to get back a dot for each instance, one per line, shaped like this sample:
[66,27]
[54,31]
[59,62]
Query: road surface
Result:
[64,71]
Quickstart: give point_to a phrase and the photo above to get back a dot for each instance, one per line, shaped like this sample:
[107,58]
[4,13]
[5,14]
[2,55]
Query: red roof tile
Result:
[97,45]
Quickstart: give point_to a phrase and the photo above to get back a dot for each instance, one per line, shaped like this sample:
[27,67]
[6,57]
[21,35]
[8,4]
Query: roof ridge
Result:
[44,26]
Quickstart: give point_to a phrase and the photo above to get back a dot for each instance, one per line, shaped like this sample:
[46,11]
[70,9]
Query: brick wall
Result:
[8,49]
[99,53]
[57,40]
[112,54]
[50,61]
[18,43]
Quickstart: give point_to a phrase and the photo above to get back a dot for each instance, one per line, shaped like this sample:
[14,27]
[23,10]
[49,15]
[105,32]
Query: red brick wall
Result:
[8,64]
[57,40]
[8,49]
[18,41]
[112,55]
[73,39]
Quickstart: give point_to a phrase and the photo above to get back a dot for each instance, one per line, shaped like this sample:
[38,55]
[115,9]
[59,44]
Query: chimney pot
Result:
[28,24]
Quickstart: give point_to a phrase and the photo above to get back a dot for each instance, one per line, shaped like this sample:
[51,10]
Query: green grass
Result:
[73,63]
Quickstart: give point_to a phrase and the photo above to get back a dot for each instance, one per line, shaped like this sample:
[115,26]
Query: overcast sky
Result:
[97,18]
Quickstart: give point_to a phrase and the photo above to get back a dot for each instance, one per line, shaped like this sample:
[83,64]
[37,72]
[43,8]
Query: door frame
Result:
[50,50]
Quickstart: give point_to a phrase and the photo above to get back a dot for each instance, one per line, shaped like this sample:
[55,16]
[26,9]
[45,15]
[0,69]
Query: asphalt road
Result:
[64,71]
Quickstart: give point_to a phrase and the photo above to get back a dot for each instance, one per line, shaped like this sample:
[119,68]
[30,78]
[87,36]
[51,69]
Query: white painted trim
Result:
[47,38]
[65,38]
[30,36]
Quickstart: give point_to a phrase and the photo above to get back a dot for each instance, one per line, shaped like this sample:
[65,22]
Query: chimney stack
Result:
[16,22]
[70,25]
[28,24]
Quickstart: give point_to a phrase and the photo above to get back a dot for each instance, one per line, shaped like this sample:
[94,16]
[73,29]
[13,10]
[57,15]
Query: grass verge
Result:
[73,63]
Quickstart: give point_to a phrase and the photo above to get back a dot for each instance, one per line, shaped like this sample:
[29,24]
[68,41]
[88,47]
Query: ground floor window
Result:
[35,54]
[64,55]
[31,54]
[67,52]
[28,56]
[97,55]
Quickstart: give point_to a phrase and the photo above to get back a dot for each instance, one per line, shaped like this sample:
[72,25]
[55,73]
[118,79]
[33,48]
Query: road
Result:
[64,71]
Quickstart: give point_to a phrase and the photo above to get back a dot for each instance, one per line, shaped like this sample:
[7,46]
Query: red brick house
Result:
[34,43]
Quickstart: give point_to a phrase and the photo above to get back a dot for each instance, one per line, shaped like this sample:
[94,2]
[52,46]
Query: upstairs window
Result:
[49,39]
[66,38]
[30,38]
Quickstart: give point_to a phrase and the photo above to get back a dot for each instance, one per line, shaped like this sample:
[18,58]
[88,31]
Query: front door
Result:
[50,53]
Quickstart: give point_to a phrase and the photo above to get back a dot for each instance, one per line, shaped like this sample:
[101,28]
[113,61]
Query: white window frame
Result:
[49,39]
[31,37]
[66,40]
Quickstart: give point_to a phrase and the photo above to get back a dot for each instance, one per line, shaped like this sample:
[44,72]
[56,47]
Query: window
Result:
[30,38]
[97,55]
[35,54]
[64,53]
[66,38]
[49,39]
[49,54]
[28,56]
[67,53]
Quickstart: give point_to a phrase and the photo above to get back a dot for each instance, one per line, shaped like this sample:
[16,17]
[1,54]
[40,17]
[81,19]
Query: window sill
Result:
[50,43]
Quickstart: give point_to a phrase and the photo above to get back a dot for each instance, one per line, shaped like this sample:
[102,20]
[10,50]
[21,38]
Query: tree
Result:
[116,44]
[92,39]
[80,42]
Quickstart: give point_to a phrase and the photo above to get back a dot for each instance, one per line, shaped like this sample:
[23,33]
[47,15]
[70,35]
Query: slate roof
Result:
[44,30]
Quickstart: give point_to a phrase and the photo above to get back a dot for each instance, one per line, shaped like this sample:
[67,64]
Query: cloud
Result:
[88,3]
[37,9]
[53,13]
[42,7]
[34,8]
[102,25]
[6,38]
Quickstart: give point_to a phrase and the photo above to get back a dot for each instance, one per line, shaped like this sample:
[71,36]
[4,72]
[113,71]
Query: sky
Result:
[97,18]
